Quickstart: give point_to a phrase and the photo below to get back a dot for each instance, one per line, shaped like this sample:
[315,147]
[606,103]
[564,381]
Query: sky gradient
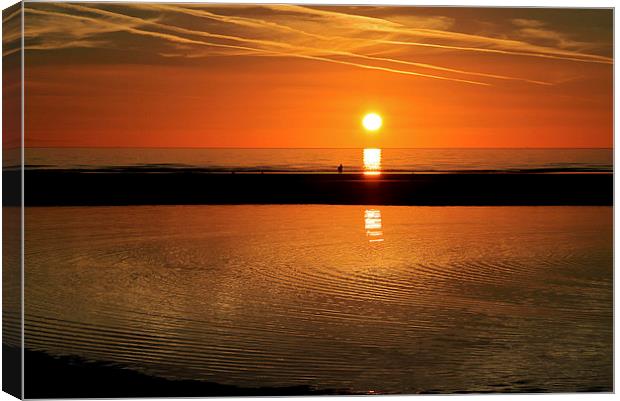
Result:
[187,75]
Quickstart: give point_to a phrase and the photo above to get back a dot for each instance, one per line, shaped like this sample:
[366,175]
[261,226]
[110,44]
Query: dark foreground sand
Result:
[71,377]
[134,187]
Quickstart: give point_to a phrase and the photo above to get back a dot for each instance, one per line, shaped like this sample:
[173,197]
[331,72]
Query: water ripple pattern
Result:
[451,299]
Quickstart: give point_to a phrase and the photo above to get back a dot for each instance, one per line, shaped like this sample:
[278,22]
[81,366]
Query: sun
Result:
[372,121]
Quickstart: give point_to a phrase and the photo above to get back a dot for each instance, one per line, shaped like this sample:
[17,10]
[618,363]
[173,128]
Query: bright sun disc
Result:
[372,121]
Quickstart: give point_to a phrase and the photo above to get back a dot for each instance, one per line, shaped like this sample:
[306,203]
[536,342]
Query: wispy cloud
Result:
[190,31]
[327,51]
[528,23]
[456,40]
[539,31]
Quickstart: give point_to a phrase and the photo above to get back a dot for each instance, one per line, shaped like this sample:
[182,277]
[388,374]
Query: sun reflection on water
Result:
[373,225]
[372,161]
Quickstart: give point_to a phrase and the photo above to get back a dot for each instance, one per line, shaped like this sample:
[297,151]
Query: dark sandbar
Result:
[167,187]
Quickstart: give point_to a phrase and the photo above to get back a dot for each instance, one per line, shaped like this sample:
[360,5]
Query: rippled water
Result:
[323,159]
[384,299]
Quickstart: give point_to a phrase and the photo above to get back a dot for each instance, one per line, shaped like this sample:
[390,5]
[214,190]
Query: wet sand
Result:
[134,187]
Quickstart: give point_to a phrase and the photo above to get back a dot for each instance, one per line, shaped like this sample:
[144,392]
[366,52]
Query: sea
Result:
[322,160]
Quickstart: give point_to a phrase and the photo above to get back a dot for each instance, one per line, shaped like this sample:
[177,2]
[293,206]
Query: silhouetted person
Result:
[340,169]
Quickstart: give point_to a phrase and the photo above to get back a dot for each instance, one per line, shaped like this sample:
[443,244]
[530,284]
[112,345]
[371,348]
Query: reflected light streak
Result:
[373,225]
[372,161]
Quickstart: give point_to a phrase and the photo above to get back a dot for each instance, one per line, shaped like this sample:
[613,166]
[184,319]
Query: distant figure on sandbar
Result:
[340,168]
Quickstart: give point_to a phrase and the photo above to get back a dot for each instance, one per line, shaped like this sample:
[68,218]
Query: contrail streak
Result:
[179,39]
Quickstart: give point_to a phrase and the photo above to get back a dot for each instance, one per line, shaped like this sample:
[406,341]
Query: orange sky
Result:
[292,76]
